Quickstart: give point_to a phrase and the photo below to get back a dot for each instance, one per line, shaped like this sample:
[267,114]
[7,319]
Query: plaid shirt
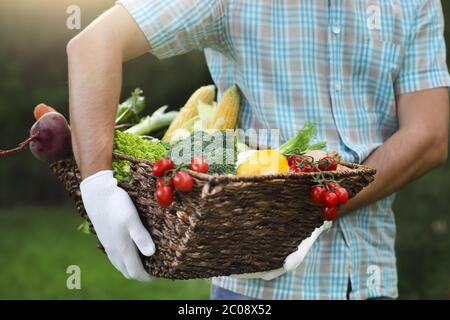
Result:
[340,61]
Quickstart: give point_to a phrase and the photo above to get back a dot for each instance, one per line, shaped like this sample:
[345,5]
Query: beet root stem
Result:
[21,146]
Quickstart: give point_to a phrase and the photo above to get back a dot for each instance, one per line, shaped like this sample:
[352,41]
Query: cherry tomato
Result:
[317,193]
[183,181]
[164,182]
[342,195]
[161,166]
[164,196]
[327,164]
[332,186]
[330,199]
[330,213]
[294,168]
[157,169]
[167,163]
[294,160]
[199,164]
[308,167]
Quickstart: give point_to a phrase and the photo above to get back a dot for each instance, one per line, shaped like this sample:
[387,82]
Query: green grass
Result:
[38,244]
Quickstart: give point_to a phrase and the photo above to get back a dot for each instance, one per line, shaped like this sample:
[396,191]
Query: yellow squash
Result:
[263,162]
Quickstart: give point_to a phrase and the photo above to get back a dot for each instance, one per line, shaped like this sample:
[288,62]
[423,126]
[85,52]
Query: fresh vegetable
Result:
[161,166]
[42,109]
[199,164]
[84,227]
[162,181]
[158,169]
[329,194]
[205,115]
[330,213]
[327,164]
[317,193]
[52,140]
[164,196]
[49,138]
[307,166]
[128,111]
[342,195]
[132,145]
[295,159]
[183,181]
[296,149]
[227,110]
[170,177]
[218,148]
[300,163]
[264,162]
[331,186]
[301,142]
[330,199]
[154,123]
[189,111]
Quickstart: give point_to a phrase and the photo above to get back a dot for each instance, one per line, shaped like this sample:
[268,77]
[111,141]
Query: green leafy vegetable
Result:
[301,142]
[132,145]
[129,110]
[84,227]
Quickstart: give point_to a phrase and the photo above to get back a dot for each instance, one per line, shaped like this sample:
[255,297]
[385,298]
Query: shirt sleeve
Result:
[174,27]
[424,62]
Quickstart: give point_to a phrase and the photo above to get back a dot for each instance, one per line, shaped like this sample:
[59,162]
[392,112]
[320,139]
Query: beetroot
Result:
[49,138]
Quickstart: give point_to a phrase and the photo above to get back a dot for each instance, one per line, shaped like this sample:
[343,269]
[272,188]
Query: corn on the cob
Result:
[205,94]
[227,110]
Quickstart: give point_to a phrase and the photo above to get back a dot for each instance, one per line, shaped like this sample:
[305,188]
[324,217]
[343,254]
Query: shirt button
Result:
[337,87]
[336,30]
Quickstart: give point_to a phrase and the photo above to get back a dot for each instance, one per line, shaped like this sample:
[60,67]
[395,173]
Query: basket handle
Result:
[121,156]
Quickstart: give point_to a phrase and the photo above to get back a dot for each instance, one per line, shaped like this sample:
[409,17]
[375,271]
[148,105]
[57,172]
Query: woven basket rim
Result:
[356,169]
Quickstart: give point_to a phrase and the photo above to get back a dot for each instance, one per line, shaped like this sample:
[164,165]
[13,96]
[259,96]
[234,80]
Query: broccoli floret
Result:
[218,148]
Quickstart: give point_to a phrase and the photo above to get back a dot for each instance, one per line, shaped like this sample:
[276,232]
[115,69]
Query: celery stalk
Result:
[157,121]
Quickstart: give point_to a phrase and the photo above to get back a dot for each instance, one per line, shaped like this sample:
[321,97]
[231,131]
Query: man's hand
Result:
[95,60]
[420,144]
[117,224]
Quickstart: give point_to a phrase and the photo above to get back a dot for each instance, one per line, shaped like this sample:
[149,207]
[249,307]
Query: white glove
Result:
[293,260]
[117,224]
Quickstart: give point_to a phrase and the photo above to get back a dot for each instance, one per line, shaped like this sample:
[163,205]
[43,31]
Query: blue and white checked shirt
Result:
[341,61]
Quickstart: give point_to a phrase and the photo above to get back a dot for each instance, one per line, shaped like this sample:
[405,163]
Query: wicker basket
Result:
[226,224]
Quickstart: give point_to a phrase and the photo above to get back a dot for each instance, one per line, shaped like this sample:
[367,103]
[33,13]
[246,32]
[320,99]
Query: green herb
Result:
[132,145]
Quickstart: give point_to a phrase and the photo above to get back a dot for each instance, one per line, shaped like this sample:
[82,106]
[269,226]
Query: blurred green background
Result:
[38,224]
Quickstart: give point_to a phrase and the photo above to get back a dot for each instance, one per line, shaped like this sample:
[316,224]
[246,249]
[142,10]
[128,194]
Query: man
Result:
[373,71]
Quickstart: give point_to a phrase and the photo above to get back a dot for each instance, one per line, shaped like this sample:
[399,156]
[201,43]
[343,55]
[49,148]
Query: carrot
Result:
[42,109]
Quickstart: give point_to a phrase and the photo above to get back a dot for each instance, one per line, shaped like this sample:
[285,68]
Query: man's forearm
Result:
[95,80]
[420,145]
[95,75]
